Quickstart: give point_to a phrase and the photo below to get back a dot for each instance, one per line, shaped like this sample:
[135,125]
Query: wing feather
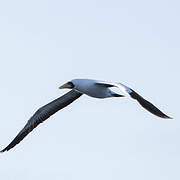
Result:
[143,102]
[42,114]
[148,106]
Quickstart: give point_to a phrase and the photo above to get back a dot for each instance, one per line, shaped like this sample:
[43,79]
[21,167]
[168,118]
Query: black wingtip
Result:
[167,117]
[3,150]
[164,116]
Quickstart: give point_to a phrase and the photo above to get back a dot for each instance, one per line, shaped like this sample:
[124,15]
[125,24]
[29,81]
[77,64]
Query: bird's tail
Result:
[117,95]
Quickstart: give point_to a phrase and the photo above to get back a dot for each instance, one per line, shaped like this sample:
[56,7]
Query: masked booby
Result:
[93,88]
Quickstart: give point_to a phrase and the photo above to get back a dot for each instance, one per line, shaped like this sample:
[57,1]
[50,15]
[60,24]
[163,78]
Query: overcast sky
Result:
[46,43]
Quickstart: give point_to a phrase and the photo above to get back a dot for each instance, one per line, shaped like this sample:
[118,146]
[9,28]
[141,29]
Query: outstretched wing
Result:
[143,102]
[148,106]
[42,114]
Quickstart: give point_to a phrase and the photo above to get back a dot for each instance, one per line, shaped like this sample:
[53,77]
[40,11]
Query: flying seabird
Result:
[93,88]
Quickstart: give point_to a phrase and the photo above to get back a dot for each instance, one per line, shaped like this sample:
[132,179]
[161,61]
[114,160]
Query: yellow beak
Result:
[67,85]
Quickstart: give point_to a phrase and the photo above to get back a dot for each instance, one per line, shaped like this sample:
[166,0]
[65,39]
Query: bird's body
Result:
[92,88]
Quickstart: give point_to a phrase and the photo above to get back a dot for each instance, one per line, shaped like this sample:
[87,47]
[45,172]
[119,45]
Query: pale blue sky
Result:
[46,43]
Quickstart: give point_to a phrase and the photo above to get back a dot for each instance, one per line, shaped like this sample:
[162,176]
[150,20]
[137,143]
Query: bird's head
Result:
[68,85]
